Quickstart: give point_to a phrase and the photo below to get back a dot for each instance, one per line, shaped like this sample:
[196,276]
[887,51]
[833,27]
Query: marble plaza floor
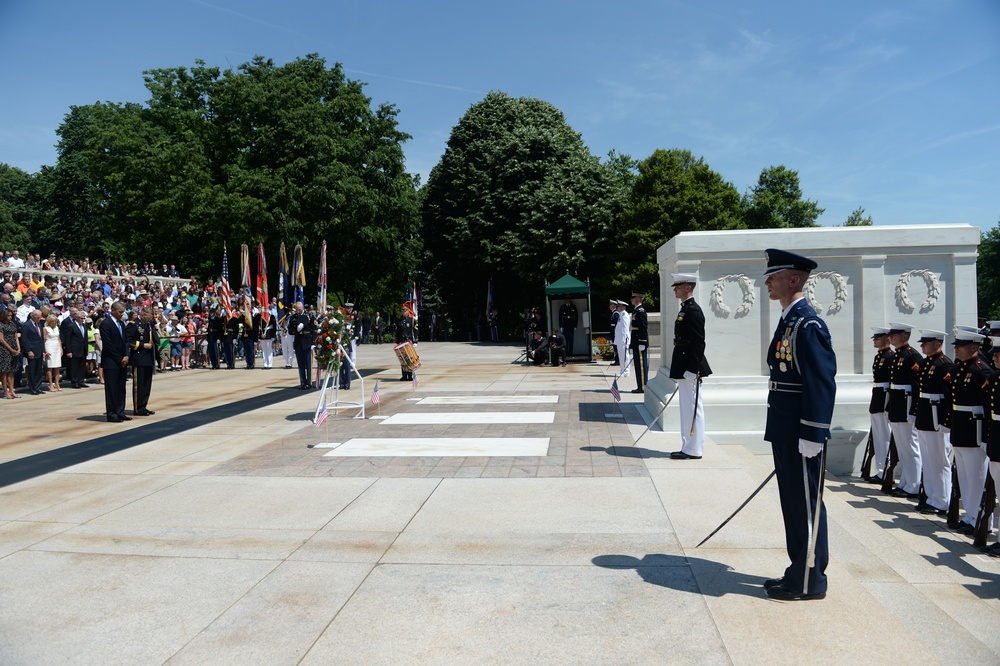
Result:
[496,513]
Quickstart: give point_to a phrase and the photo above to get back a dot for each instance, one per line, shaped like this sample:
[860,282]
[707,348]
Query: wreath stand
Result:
[337,403]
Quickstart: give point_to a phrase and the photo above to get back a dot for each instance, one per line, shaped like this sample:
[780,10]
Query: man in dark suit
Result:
[33,349]
[114,361]
[74,342]
[688,366]
[143,342]
[301,326]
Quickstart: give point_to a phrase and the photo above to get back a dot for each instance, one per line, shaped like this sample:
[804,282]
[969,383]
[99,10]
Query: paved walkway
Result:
[228,529]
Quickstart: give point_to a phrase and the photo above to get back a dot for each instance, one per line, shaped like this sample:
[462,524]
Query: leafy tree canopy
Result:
[265,153]
[673,192]
[858,218]
[517,197]
[988,268]
[776,202]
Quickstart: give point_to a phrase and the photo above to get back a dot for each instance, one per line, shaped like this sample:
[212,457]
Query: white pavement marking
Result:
[490,400]
[327,445]
[443,446]
[432,418]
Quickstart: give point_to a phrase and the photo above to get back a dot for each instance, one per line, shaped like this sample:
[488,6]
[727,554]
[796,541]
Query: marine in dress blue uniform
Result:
[799,411]
[877,408]
[688,366]
[971,379]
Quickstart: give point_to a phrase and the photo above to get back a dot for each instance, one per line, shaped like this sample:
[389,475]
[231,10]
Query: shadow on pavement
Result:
[23,469]
[686,574]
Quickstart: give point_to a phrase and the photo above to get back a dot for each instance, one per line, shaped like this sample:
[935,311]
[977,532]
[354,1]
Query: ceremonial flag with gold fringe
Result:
[262,297]
[298,276]
[225,293]
[321,291]
[284,288]
[245,294]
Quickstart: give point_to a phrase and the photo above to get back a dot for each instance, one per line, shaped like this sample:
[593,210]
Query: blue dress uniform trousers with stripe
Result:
[800,402]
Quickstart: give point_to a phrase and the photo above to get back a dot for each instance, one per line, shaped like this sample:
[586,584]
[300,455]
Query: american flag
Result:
[614,390]
[322,416]
[375,394]
[416,381]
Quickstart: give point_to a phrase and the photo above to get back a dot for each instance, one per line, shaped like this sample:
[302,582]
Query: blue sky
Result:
[893,106]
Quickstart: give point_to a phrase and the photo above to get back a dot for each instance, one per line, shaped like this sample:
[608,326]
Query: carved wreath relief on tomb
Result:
[717,299]
[839,296]
[902,289]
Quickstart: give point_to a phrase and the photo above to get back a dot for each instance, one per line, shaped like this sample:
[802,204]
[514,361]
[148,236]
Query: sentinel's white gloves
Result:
[642,347]
[690,375]
[300,327]
[809,449]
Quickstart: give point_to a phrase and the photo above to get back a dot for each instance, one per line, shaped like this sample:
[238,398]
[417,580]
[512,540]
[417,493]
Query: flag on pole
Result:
[262,297]
[225,293]
[323,413]
[298,276]
[416,382]
[321,291]
[489,295]
[284,288]
[375,394]
[246,299]
[615,392]
[416,313]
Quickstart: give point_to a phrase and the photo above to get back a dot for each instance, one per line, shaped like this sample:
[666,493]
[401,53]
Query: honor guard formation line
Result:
[502,514]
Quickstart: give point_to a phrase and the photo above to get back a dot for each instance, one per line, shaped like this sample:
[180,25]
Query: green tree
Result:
[776,202]
[516,197]
[17,208]
[988,270]
[858,218]
[265,153]
[673,192]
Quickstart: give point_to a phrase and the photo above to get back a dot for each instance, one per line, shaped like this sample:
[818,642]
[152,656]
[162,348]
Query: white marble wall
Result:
[867,276]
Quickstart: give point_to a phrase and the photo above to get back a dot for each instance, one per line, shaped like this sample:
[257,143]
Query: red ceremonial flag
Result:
[265,303]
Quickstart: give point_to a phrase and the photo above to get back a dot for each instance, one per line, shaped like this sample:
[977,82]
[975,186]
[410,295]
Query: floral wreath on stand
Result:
[331,329]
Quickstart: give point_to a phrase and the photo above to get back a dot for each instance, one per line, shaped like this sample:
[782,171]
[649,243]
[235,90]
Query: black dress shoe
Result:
[899,492]
[875,479]
[773,582]
[680,455]
[125,418]
[114,419]
[637,391]
[782,593]
[965,528]
[993,551]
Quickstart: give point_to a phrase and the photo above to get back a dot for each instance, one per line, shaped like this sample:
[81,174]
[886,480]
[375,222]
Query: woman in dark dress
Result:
[10,350]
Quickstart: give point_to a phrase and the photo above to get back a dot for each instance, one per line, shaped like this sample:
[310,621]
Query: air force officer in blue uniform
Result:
[799,410]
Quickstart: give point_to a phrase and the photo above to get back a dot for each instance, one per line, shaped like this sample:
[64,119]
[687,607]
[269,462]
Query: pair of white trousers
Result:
[692,412]
[909,455]
[267,352]
[623,360]
[880,439]
[288,349]
[970,463]
[935,457]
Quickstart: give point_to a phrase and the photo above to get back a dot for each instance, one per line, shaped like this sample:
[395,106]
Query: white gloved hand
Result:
[642,347]
[809,449]
[690,375]
[300,327]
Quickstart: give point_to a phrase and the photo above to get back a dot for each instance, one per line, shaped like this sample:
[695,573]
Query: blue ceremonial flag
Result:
[615,392]
[284,287]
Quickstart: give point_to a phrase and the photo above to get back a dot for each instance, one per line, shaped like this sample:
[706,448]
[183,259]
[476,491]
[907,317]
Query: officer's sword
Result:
[811,557]
[657,417]
[740,508]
